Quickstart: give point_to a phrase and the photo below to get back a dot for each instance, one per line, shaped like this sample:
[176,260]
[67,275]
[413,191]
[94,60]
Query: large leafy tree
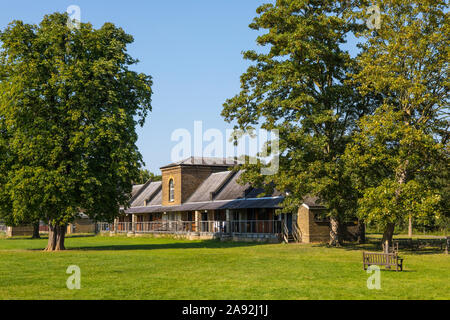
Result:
[399,152]
[300,88]
[69,106]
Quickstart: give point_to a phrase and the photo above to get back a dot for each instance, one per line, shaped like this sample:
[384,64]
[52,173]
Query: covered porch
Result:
[219,223]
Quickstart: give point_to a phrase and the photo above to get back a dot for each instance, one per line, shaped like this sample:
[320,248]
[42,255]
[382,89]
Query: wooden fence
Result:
[441,244]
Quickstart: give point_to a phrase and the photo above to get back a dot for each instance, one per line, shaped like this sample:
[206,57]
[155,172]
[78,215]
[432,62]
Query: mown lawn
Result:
[150,268]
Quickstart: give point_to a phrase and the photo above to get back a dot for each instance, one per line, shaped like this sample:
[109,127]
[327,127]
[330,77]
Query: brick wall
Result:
[175,174]
[311,230]
[303,223]
[186,180]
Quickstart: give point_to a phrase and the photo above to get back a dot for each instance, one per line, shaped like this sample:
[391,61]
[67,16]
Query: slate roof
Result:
[211,185]
[205,161]
[212,205]
[313,202]
[136,188]
[148,192]
[156,199]
[220,190]
[234,190]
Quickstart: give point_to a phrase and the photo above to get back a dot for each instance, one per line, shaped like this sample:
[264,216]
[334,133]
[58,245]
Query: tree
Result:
[36,226]
[299,88]
[69,106]
[396,153]
[145,175]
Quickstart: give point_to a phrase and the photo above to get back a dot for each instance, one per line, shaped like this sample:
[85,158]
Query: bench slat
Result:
[384,259]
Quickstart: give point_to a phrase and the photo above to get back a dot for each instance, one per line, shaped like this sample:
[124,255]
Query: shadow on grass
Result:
[45,237]
[422,251]
[376,246]
[369,246]
[205,244]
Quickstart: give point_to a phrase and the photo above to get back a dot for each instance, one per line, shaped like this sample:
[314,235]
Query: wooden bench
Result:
[382,259]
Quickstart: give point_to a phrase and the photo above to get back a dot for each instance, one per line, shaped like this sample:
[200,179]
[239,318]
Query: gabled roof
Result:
[136,189]
[208,189]
[147,193]
[313,202]
[156,199]
[204,161]
[220,190]
[233,190]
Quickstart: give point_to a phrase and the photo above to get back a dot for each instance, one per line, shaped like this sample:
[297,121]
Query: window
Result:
[171,190]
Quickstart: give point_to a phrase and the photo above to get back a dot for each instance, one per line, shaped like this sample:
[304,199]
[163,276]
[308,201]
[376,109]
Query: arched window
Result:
[171,190]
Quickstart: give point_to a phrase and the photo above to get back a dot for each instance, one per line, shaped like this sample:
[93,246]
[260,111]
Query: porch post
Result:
[133,223]
[228,220]
[197,221]
[116,225]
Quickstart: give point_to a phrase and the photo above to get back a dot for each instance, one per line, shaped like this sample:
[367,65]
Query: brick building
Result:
[200,198]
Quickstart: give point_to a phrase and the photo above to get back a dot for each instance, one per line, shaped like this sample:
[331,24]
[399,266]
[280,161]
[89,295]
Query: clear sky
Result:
[191,48]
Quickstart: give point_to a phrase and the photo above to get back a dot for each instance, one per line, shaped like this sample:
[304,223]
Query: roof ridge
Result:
[205,161]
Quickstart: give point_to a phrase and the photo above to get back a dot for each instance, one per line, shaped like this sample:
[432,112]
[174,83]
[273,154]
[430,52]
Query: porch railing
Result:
[217,227]
[255,226]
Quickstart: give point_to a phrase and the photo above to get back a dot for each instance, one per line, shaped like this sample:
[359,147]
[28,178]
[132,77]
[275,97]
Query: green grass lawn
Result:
[161,268]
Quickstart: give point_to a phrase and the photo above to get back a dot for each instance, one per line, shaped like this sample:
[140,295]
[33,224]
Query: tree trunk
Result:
[388,234]
[335,235]
[410,232]
[60,238]
[51,238]
[361,232]
[36,231]
[56,236]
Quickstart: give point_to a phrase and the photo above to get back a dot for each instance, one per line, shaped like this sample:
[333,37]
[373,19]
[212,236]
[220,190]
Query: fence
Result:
[221,227]
[256,226]
[43,228]
[3,228]
[418,244]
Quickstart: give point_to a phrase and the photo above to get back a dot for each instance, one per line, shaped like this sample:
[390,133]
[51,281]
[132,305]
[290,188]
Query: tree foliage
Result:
[69,106]
[145,175]
[300,87]
[396,156]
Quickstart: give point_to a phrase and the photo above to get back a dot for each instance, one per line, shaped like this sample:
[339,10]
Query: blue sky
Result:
[191,48]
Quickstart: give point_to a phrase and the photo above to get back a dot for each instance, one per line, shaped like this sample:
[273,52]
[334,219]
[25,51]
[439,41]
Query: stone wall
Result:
[19,231]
